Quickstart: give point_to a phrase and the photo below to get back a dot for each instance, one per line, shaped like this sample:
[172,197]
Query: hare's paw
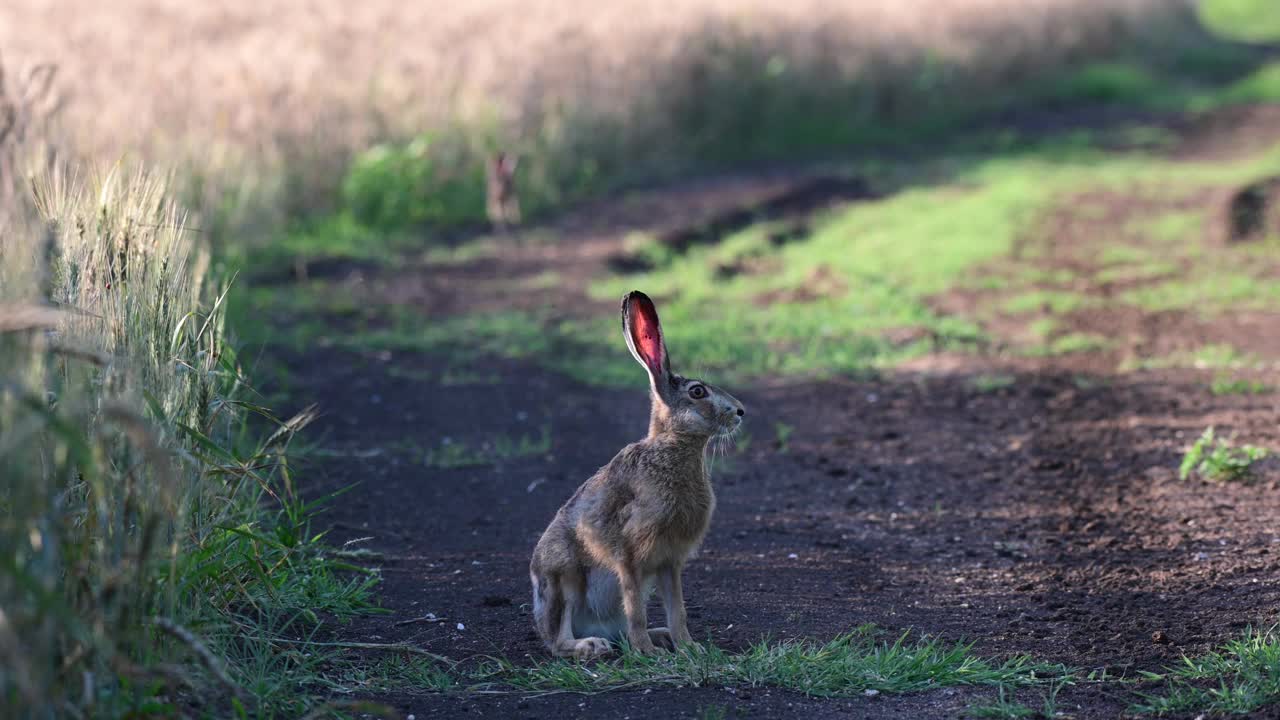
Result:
[591,648]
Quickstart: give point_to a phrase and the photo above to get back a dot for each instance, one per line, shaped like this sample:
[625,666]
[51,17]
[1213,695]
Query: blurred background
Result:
[203,203]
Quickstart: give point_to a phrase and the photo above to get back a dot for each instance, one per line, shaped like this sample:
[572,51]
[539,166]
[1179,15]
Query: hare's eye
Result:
[697,392]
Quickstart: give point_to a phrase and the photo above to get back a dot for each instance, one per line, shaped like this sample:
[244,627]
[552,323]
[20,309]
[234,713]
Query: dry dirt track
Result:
[1045,517]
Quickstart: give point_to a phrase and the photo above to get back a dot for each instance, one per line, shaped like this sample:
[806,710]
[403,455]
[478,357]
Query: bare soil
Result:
[1045,517]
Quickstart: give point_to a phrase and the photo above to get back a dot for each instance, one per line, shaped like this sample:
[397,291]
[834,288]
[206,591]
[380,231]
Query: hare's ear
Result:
[643,333]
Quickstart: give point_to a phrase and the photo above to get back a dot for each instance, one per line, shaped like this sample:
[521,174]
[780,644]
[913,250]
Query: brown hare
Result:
[501,204]
[634,523]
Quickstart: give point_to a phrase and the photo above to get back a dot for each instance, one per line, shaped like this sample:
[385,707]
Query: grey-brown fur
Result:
[631,527]
[502,206]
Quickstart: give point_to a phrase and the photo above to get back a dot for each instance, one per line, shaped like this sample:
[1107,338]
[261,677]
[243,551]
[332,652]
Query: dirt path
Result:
[1042,516]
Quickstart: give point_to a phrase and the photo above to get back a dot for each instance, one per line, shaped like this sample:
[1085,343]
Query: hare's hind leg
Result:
[556,599]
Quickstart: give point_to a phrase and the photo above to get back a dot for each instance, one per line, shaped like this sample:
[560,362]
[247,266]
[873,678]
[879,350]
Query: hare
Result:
[634,523]
[501,204]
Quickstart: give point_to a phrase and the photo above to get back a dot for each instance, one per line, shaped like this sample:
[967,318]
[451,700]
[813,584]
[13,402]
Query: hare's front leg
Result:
[673,602]
[634,606]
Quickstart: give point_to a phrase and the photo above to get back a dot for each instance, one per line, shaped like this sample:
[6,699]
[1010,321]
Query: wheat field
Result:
[275,82]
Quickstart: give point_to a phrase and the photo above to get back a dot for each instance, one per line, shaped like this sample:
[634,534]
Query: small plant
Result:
[713,712]
[505,447]
[452,454]
[1049,708]
[782,436]
[1004,708]
[1227,385]
[1218,460]
[396,672]
[991,382]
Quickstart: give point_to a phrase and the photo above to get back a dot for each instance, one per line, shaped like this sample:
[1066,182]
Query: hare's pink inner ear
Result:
[645,333]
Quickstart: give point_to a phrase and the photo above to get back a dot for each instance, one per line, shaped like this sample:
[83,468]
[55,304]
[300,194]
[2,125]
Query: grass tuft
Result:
[1227,385]
[147,533]
[1218,460]
[1240,677]
[850,664]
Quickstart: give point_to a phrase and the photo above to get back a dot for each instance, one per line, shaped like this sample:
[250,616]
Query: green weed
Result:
[782,436]
[992,382]
[1218,460]
[1241,677]
[507,448]
[397,672]
[452,454]
[1252,20]
[1227,385]
[1056,302]
[1004,708]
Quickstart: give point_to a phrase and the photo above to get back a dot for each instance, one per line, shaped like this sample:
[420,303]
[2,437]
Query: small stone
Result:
[1160,638]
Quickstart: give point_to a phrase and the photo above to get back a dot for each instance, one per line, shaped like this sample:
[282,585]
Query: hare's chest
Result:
[682,519]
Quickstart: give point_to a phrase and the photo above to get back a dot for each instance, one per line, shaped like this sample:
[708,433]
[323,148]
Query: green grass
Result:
[834,301]
[1176,226]
[992,382]
[393,673]
[1207,291]
[885,261]
[1006,707]
[1055,301]
[1250,20]
[1218,460]
[1218,356]
[848,665]
[1003,707]
[1227,385]
[1077,343]
[147,532]
[451,454]
[1240,677]
[1261,86]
